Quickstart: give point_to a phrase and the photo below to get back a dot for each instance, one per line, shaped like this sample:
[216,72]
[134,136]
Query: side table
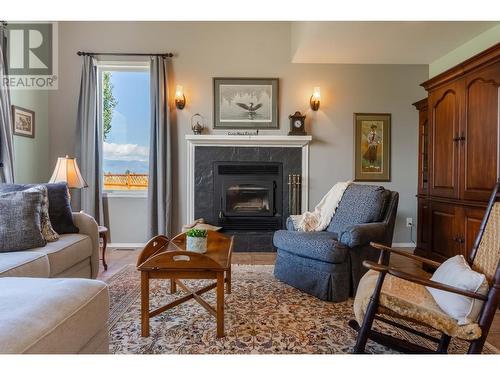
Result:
[103,233]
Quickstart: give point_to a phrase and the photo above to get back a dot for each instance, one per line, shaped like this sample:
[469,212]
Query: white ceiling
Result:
[379,42]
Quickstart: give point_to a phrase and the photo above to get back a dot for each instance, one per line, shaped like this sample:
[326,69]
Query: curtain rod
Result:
[80,53]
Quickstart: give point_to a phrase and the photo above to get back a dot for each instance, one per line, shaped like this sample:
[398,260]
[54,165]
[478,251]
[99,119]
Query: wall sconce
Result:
[315,99]
[180,99]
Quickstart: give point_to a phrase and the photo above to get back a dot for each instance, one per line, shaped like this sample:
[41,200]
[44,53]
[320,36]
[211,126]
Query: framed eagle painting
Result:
[245,103]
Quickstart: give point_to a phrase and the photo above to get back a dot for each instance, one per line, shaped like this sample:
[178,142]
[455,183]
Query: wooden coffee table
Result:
[162,258]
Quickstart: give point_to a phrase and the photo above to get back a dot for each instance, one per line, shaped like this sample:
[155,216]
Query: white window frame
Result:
[124,66]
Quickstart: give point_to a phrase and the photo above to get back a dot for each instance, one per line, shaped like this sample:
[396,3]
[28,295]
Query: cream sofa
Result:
[73,255]
[48,304]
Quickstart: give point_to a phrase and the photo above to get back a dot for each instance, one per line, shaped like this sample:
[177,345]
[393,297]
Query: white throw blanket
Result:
[319,219]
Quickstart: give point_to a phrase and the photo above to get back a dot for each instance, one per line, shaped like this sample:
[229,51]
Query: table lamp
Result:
[67,170]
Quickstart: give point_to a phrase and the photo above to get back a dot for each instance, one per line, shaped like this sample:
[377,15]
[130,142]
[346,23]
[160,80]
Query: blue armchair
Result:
[328,264]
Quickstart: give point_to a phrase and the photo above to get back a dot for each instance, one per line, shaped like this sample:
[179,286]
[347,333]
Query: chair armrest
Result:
[419,280]
[363,234]
[405,254]
[88,226]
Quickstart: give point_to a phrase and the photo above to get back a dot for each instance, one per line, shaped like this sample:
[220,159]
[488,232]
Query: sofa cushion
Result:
[60,213]
[457,273]
[360,204]
[66,252]
[314,245]
[48,232]
[24,264]
[20,227]
[50,315]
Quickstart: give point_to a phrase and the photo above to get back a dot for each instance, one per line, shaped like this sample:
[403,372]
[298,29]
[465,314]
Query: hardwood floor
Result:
[117,259]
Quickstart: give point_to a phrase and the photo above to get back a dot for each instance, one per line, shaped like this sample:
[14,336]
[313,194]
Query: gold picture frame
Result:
[372,146]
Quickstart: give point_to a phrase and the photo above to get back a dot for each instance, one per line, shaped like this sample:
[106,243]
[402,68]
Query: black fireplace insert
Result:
[248,195]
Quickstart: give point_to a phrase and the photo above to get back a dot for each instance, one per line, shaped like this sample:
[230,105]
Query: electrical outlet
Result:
[409,222]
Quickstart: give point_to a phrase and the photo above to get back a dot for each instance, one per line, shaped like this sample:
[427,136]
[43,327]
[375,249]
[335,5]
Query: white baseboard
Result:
[126,245]
[403,244]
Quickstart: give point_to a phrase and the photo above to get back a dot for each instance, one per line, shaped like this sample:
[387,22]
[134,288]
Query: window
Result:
[125,120]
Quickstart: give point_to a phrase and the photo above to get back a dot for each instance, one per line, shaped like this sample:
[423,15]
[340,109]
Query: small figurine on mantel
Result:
[197,124]
[297,124]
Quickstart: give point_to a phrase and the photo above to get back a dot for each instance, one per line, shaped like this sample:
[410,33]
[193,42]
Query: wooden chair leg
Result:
[371,310]
[173,286]
[365,328]
[476,346]
[443,344]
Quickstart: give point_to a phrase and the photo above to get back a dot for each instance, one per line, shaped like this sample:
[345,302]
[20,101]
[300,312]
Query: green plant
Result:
[109,103]
[197,233]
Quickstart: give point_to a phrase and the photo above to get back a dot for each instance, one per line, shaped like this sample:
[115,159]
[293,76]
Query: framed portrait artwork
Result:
[23,122]
[245,103]
[372,146]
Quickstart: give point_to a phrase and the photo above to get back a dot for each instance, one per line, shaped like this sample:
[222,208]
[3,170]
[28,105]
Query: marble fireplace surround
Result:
[270,144]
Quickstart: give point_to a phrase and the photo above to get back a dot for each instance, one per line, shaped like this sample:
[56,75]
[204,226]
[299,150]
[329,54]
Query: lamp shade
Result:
[67,170]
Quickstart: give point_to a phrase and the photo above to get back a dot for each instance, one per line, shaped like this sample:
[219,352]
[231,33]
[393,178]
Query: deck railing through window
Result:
[127,181]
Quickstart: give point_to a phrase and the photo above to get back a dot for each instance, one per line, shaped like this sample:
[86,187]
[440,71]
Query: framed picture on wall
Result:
[23,121]
[372,146]
[245,103]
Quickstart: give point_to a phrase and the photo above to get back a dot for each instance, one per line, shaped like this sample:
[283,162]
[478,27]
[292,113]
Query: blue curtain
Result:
[89,147]
[160,161]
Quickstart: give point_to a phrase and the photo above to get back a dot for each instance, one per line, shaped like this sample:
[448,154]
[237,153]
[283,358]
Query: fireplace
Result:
[248,195]
[242,183]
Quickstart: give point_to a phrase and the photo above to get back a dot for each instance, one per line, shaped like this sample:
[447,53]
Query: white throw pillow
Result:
[457,273]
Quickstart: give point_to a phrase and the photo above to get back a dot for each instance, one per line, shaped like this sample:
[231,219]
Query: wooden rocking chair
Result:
[385,290]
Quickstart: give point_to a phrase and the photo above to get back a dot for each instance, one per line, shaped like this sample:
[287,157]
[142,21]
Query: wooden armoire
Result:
[458,154]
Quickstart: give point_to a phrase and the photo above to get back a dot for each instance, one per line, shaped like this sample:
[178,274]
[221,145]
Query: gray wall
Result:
[126,219]
[206,50]
[31,163]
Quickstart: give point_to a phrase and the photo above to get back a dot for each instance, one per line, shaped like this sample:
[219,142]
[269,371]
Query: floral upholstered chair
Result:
[386,291]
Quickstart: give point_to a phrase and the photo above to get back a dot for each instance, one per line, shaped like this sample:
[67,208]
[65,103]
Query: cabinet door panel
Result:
[479,151]
[444,110]
[423,224]
[471,220]
[423,161]
[445,230]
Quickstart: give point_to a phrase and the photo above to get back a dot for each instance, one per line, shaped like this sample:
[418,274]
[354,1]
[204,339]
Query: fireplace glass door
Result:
[249,199]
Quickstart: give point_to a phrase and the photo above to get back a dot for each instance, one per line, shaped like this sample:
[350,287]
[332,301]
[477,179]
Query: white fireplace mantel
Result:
[217,140]
[249,140]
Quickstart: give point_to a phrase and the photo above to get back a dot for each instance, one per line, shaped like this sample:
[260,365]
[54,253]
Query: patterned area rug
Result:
[262,316]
